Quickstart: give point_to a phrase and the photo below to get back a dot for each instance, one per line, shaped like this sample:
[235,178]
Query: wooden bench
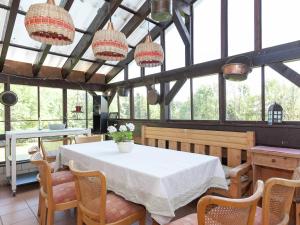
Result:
[233,149]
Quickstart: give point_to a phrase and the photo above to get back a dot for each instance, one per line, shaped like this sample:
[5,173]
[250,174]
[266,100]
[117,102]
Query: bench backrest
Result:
[234,146]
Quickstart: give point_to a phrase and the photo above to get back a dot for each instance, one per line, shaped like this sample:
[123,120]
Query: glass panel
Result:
[77,123]
[283,92]
[180,107]
[240,28]
[25,4]
[243,100]
[22,147]
[54,61]
[82,66]
[90,106]
[154,110]
[113,107]
[90,9]
[207,43]
[277,22]
[139,33]
[76,98]
[140,103]
[67,49]
[206,97]
[4,2]
[27,105]
[133,4]
[51,104]
[118,77]
[134,70]
[2,21]
[22,55]
[124,107]
[120,18]
[89,54]
[104,69]
[295,65]
[1,114]
[173,38]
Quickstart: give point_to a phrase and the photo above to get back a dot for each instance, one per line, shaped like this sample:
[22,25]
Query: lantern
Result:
[49,24]
[275,114]
[161,10]
[110,44]
[149,54]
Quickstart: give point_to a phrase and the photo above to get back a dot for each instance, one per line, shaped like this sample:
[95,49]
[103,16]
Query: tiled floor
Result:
[22,209]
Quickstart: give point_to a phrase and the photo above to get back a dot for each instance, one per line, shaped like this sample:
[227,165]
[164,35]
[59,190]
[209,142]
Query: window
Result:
[51,106]
[180,107]
[243,99]
[113,107]
[124,107]
[2,125]
[206,98]
[154,110]
[76,98]
[118,77]
[283,92]
[134,70]
[140,103]
[207,44]
[90,107]
[174,59]
[240,26]
[278,18]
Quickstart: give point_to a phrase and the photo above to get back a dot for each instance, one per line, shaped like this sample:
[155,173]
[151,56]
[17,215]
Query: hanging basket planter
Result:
[149,54]
[49,24]
[110,44]
[237,68]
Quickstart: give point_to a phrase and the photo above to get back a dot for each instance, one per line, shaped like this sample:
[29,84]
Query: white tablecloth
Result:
[161,180]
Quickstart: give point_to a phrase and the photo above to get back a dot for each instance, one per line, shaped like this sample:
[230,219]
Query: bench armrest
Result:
[240,170]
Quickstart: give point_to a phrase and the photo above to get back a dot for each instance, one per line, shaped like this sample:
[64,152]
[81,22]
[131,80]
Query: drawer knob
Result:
[273,160]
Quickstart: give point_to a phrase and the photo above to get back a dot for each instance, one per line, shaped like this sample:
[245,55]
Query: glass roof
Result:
[133,4]
[25,4]
[54,61]
[22,55]
[4,2]
[120,18]
[104,69]
[82,66]
[67,49]
[89,54]
[139,33]
[20,35]
[2,21]
[87,9]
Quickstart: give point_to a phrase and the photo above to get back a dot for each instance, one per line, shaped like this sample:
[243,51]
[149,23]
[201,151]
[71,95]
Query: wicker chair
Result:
[87,139]
[213,210]
[57,193]
[277,201]
[96,207]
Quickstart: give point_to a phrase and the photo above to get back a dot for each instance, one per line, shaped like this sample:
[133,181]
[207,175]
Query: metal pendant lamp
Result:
[110,44]
[50,24]
[149,54]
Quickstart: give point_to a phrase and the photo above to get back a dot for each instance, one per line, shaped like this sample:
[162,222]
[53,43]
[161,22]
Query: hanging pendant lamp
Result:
[161,10]
[109,44]
[49,24]
[149,54]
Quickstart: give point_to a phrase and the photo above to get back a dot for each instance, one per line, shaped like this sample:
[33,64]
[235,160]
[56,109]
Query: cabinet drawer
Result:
[279,162]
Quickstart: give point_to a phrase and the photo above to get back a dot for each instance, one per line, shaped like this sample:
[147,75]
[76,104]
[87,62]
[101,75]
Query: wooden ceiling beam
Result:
[8,29]
[175,89]
[45,49]
[98,22]
[286,72]
[128,29]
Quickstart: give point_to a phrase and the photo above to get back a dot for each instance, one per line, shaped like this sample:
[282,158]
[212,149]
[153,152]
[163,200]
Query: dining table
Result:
[162,180]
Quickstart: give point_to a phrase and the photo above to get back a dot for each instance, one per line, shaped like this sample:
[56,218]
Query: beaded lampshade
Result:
[49,24]
[110,44]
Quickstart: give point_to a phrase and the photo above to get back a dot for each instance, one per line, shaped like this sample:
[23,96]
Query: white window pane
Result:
[104,69]
[139,33]
[54,61]
[4,2]
[133,4]
[22,55]
[118,77]
[120,18]
[154,110]
[3,13]
[134,70]
[124,107]
[82,66]
[51,104]
[25,4]
[294,65]
[89,54]
[76,98]
[140,103]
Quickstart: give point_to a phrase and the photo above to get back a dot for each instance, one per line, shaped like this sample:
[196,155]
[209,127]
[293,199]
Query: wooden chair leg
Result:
[39,206]
[79,218]
[297,213]
[43,211]
[50,216]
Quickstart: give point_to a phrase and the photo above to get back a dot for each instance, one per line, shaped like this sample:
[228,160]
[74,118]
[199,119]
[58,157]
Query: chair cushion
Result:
[244,178]
[226,171]
[187,220]
[117,208]
[63,193]
[61,177]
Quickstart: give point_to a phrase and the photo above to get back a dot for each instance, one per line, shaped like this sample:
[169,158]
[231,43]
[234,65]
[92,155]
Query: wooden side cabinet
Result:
[270,162]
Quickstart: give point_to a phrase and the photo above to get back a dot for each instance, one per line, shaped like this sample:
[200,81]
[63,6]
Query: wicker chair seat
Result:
[61,177]
[117,208]
[63,193]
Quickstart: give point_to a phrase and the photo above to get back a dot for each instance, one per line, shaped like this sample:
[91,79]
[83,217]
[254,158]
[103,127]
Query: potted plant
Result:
[123,137]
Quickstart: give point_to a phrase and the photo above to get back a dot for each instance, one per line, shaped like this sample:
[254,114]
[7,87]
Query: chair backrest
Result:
[87,139]
[44,174]
[213,210]
[52,145]
[90,193]
[277,200]
[234,146]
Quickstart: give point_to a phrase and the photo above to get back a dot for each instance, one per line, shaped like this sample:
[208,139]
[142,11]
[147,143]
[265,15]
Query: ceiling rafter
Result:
[98,22]
[173,92]
[128,29]
[45,49]
[8,28]
[286,72]
[154,33]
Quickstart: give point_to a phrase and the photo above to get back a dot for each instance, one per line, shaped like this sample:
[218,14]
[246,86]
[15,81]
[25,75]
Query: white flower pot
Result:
[125,147]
